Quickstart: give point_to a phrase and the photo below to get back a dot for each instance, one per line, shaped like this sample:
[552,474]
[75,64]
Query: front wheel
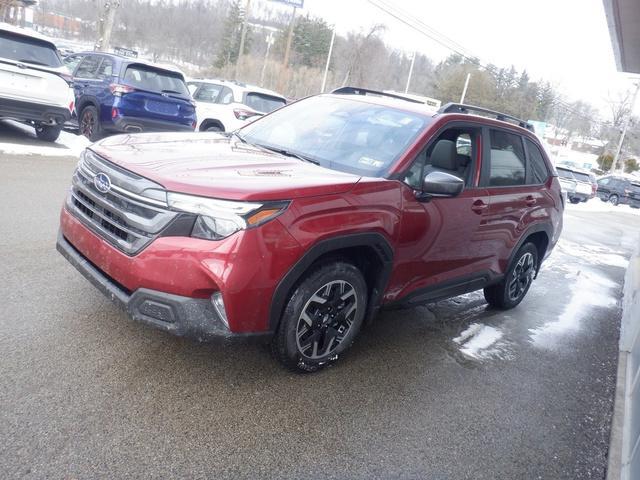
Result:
[574,200]
[48,133]
[515,285]
[322,317]
[90,123]
[614,199]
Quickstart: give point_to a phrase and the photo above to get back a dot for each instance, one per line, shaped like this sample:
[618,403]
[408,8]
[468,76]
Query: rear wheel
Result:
[322,317]
[48,133]
[614,199]
[214,128]
[515,285]
[90,123]
[574,200]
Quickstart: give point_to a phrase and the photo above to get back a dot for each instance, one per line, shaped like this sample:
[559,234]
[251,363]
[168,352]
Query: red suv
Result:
[299,227]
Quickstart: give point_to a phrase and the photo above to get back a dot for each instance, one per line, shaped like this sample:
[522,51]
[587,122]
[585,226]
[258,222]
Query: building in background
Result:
[17,12]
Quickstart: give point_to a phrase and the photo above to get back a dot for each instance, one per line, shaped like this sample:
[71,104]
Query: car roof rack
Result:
[366,91]
[462,108]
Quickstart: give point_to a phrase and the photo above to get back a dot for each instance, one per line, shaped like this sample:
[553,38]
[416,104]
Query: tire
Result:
[319,323]
[48,133]
[512,289]
[614,199]
[89,123]
[574,200]
[214,128]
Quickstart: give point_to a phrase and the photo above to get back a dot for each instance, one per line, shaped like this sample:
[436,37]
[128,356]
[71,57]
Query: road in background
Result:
[454,390]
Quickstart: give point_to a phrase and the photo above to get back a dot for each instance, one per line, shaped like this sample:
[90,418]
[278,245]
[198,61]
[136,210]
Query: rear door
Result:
[157,94]
[516,178]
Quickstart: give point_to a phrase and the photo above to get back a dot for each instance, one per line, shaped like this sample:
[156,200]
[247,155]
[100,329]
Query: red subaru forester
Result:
[299,227]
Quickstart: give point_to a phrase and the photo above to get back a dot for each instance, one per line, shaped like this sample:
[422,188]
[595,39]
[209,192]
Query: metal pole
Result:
[106,24]
[464,90]
[287,51]
[243,36]
[326,67]
[266,58]
[413,61]
[616,159]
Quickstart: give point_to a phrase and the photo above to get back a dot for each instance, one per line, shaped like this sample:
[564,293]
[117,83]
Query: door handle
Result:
[530,201]
[479,207]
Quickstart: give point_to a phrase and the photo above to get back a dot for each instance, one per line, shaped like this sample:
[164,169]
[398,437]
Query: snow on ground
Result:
[597,205]
[480,341]
[67,145]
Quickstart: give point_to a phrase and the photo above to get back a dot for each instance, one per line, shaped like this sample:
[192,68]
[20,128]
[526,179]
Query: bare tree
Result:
[373,32]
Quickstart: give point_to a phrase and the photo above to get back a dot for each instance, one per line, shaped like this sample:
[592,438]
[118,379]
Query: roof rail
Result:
[462,108]
[366,91]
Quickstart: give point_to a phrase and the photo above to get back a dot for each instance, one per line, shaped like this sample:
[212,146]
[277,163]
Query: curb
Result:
[624,449]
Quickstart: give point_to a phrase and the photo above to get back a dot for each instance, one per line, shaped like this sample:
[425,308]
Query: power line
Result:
[457,48]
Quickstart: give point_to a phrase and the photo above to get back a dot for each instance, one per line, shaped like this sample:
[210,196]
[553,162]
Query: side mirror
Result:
[440,184]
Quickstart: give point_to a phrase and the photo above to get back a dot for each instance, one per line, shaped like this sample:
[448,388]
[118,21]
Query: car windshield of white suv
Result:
[155,80]
[28,50]
[339,133]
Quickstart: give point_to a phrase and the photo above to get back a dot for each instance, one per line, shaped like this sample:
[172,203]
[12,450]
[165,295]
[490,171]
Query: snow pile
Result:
[67,145]
[597,205]
[588,289]
[480,341]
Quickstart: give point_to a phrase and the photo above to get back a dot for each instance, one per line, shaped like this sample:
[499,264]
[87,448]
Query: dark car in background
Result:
[116,94]
[619,189]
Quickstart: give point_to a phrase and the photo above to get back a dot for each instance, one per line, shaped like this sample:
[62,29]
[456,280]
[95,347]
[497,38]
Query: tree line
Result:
[203,38]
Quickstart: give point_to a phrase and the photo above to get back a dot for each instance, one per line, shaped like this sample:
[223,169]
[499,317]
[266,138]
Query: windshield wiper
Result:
[288,153]
[239,137]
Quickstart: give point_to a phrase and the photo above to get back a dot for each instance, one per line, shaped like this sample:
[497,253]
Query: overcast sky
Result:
[564,41]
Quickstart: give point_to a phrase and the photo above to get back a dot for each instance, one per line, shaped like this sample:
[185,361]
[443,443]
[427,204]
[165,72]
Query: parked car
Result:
[224,106]
[619,189]
[583,190]
[35,88]
[301,226]
[116,94]
[568,182]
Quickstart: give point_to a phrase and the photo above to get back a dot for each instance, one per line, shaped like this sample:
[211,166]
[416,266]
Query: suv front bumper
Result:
[34,112]
[178,315]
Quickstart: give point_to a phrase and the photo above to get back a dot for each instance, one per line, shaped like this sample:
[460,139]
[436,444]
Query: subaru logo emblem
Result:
[102,182]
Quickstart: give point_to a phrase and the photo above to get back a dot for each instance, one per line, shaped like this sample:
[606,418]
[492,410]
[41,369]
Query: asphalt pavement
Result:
[453,390]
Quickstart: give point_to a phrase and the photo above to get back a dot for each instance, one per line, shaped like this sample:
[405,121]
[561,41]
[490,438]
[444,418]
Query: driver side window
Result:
[452,153]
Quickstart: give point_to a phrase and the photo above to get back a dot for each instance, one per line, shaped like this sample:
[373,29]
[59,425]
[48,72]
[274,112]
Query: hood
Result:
[218,166]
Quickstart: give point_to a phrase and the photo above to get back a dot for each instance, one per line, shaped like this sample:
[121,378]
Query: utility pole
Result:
[617,163]
[287,51]
[413,61]
[105,24]
[243,36]
[326,67]
[464,90]
[270,41]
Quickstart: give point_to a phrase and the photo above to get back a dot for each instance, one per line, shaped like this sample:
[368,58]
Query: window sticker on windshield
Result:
[371,162]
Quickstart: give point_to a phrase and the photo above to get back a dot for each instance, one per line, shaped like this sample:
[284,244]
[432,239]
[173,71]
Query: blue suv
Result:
[116,94]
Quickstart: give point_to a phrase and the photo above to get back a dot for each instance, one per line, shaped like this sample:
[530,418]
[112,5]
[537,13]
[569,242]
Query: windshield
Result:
[565,174]
[28,50]
[264,103]
[583,177]
[149,78]
[339,133]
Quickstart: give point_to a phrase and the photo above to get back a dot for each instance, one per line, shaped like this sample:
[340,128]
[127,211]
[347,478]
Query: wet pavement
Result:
[454,390]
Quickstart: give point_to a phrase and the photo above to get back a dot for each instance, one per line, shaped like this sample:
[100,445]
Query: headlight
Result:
[218,219]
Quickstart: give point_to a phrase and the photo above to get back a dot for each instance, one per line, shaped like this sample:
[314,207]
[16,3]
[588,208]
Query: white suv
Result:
[35,87]
[224,106]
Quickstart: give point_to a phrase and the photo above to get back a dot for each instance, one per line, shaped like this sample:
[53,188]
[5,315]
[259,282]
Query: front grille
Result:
[125,218]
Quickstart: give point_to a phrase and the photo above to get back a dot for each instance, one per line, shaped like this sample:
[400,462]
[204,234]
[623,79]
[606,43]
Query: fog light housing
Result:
[218,305]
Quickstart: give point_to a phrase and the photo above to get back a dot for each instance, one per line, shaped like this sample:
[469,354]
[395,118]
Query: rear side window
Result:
[72,61]
[583,177]
[28,50]
[507,159]
[537,166]
[106,68]
[88,68]
[156,80]
[208,93]
[263,103]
